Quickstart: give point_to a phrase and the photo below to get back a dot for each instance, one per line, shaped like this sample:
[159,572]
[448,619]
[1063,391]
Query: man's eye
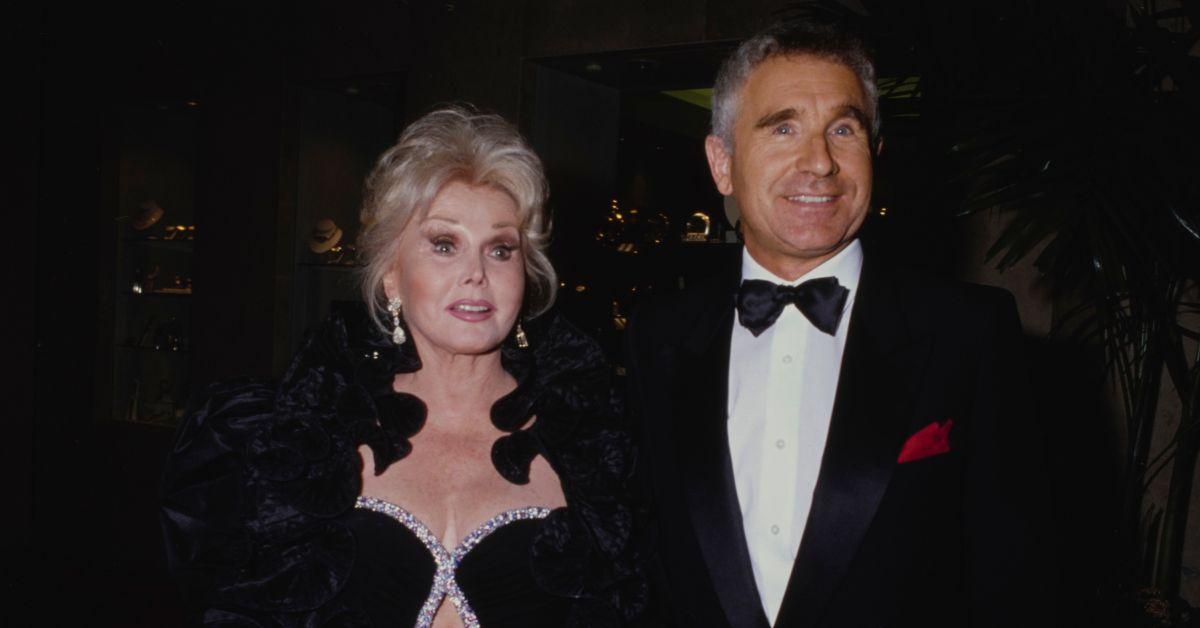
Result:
[783,129]
[844,130]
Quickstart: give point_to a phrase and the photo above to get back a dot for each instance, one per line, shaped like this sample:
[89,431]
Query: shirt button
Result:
[779,444]
[774,529]
[787,359]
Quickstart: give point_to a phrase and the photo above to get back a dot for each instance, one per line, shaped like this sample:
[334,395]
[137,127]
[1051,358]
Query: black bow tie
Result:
[759,303]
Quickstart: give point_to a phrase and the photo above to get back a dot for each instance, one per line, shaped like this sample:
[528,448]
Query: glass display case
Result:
[635,210]
[155,235]
[342,127]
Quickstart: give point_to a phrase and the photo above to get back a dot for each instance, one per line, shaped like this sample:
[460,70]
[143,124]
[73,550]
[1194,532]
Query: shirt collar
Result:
[846,266]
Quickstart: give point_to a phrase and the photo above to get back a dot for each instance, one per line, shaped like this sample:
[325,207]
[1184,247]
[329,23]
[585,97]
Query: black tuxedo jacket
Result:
[947,540]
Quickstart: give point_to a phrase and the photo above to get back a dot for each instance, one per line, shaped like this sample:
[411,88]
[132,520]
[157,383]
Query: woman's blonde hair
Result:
[454,143]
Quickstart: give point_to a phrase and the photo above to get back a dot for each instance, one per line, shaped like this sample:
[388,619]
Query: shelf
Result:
[708,243]
[156,295]
[168,424]
[158,243]
[341,268]
[179,352]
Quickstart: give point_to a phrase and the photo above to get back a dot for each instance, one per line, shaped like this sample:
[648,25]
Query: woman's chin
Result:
[462,345]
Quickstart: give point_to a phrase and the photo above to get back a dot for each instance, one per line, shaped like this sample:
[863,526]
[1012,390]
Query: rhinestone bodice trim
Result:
[445,583]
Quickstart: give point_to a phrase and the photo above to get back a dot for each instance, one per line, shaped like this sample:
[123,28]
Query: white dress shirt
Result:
[781,390]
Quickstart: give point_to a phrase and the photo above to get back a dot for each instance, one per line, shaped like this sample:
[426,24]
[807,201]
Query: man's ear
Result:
[719,162]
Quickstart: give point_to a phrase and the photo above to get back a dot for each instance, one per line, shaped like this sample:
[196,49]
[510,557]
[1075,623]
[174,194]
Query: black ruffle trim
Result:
[260,474]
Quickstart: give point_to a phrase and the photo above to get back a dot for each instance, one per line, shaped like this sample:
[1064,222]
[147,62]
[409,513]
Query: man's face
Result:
[800,164]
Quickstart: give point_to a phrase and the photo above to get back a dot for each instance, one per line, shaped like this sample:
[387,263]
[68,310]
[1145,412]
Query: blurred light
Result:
[580,288]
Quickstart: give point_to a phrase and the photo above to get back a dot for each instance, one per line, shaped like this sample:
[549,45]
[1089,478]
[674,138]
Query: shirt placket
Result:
[784,393]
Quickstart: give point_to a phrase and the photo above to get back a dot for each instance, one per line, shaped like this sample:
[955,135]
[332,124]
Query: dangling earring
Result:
[393,308]
[522,341]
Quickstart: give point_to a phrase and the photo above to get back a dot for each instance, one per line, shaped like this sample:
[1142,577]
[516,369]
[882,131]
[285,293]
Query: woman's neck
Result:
[458,390]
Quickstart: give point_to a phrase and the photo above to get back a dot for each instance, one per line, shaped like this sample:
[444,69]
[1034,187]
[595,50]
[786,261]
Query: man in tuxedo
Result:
[829,440]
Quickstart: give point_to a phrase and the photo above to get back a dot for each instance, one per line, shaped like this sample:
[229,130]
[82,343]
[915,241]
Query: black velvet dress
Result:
[265,525]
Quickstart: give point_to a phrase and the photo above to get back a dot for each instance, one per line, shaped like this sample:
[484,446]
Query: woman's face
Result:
[460,271]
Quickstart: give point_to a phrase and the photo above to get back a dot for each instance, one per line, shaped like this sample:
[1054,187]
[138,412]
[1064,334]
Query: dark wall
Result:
[19,276]
[85,488]
[474,51]
[244,66]
[238,214]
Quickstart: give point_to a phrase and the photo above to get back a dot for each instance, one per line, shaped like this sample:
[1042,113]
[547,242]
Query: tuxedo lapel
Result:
[868,426]
[701,382]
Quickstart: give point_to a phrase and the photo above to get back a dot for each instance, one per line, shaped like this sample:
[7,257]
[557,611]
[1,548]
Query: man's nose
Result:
[815,157]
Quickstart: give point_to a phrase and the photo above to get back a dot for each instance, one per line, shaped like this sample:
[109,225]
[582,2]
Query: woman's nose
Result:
[475,271]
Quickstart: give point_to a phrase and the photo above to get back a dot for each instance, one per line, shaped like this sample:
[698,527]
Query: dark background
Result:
[82,488]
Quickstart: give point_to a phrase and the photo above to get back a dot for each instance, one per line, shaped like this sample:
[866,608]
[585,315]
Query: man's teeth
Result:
[810,198]
[462,307]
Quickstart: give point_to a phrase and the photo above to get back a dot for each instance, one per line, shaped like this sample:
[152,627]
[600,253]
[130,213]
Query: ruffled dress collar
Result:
[302,469]
[349,346]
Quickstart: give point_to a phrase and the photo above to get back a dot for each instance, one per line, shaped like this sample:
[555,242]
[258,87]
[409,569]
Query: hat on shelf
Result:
[325,236]
[150,214]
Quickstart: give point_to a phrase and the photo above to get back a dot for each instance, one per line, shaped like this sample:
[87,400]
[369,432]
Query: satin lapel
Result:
[870,421]
[700,388]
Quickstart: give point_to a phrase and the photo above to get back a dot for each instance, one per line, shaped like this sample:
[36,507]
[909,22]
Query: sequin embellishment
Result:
[444,582]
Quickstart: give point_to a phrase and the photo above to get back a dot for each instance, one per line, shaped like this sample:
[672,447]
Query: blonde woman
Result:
[447,455]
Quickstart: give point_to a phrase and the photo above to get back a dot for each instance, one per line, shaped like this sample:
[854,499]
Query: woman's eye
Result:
[502,252]
[443,246]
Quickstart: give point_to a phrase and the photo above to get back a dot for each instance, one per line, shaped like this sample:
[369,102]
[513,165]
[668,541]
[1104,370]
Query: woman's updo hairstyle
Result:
[455,143]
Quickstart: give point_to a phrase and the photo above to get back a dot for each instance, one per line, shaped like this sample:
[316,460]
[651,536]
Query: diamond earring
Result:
[393,308]
[522,341]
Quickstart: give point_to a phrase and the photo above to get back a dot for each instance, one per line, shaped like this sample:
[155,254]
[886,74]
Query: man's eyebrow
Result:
[852,111]
[771,119]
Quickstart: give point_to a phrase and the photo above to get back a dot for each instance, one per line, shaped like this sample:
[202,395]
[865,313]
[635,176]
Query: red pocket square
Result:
[931,440]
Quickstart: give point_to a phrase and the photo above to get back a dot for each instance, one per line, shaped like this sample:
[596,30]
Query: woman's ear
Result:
[391,284]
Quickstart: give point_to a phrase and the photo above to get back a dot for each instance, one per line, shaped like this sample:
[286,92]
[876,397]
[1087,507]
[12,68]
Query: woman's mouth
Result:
[471,310]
